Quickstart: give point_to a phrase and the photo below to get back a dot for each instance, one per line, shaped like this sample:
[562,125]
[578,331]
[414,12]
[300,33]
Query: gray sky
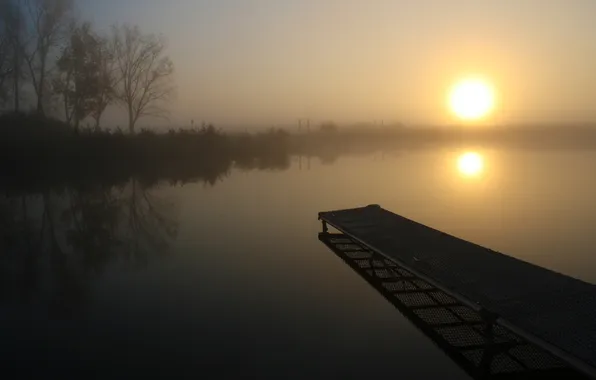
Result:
[273,61]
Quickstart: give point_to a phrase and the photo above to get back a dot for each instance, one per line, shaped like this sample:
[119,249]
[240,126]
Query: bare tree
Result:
[145,74]
[48,20]
[6,68]
[78,73]
[11,57]
[106,80]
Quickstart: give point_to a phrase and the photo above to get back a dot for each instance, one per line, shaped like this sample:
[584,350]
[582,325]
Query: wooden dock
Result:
[547,309]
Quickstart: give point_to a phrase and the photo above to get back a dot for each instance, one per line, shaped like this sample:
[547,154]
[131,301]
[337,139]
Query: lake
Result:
[224,276]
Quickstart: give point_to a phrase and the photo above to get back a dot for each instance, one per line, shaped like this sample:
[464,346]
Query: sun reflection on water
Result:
[470,164]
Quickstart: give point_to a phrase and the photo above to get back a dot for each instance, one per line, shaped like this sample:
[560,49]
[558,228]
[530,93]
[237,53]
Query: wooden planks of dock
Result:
[549,309]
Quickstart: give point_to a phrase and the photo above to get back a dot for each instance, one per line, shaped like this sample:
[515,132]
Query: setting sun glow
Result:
[471,99]
[470,164]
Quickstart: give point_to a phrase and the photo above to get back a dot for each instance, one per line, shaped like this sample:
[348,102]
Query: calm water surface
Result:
[229,279]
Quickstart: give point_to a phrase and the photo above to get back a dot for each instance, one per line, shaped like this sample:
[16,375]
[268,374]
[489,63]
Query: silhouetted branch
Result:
[47,21]
[145,74]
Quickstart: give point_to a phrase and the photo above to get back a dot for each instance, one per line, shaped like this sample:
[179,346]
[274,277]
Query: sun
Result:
[471,99]
[470,164]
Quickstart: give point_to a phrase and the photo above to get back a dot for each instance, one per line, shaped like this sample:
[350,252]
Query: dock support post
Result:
[490,351]
[325,228]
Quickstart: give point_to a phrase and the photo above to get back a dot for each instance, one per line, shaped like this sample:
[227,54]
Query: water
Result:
[228,278]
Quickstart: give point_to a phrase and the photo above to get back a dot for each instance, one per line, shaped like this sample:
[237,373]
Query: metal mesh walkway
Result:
[474,341]
[550,309]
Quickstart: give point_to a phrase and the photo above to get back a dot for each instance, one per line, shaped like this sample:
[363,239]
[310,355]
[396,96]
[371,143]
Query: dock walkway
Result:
[549,309]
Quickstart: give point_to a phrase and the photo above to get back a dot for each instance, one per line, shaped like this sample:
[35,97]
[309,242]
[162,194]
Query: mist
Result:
[249,63]
[305,189]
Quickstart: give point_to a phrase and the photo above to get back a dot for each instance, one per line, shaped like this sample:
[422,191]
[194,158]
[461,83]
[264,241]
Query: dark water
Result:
[229,279]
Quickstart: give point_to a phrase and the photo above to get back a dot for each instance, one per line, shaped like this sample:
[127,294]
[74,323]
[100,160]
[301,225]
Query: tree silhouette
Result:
[48,20]
[106,80]
[11,50]
[144,73]
[78,74]
[6,67]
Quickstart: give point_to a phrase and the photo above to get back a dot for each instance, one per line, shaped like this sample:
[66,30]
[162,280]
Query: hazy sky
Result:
[273,61]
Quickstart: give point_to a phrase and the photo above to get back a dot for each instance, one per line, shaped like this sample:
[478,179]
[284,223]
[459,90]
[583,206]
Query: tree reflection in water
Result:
[62,228]
[54,243]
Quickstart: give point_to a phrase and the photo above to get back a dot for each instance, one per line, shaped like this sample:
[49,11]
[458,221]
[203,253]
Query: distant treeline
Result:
[38,150]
